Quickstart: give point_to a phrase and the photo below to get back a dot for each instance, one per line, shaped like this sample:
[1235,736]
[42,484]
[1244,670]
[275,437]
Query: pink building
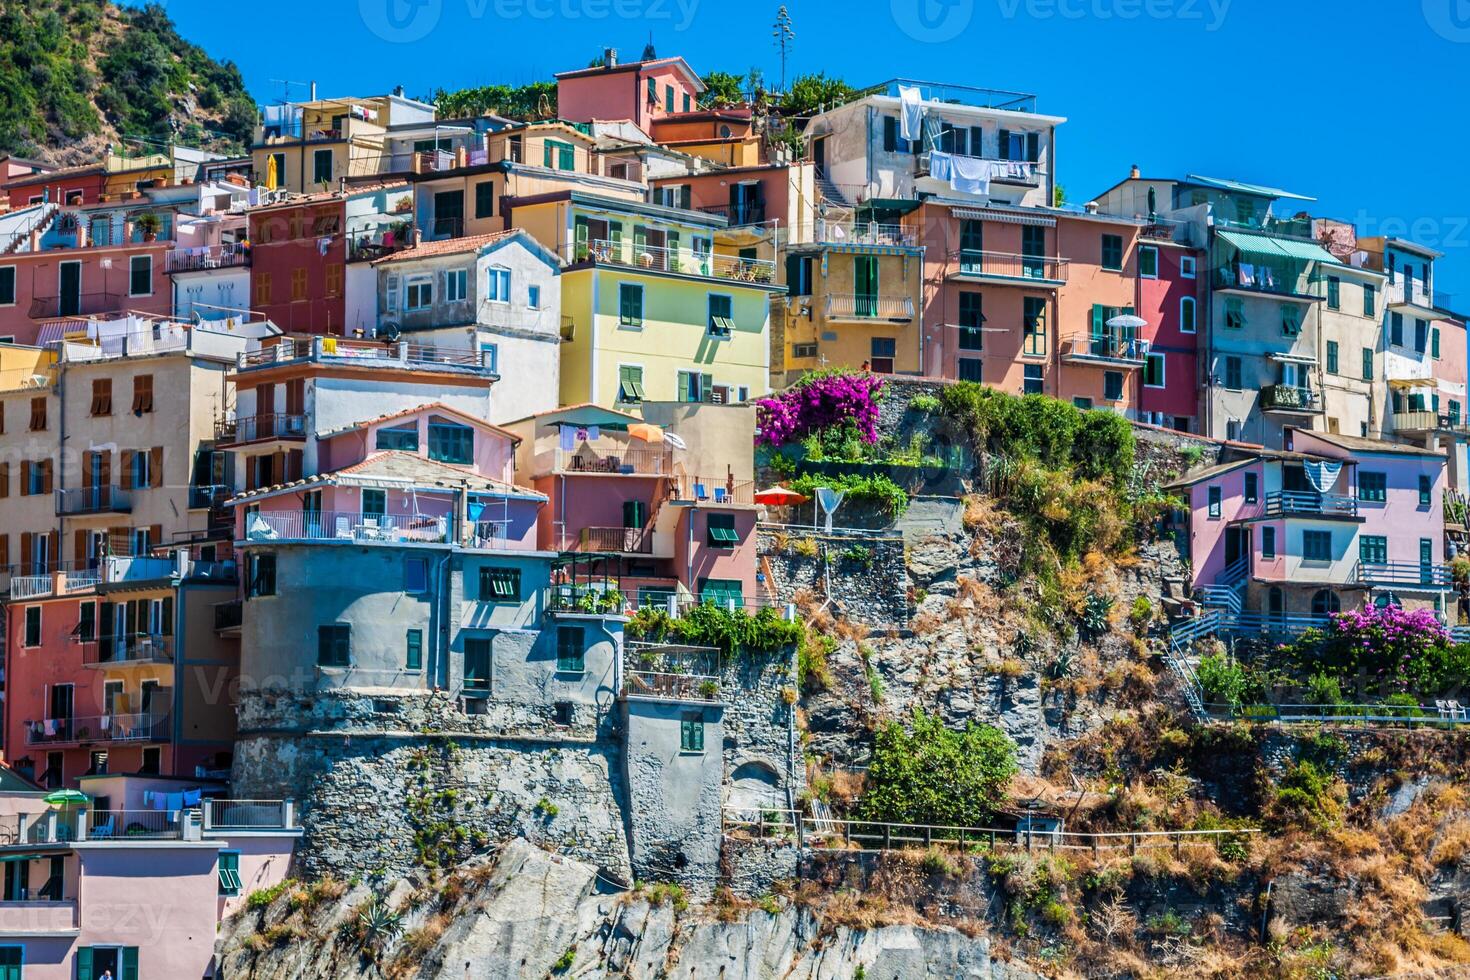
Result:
[1329,524]
[638,90]
[124,886]
[50,271]
[678,527]
[1170,301]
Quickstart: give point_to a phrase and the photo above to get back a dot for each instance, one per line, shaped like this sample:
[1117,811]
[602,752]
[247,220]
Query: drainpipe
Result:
[442,600]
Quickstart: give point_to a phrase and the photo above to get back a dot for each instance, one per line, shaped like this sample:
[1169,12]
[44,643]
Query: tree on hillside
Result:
[937,775]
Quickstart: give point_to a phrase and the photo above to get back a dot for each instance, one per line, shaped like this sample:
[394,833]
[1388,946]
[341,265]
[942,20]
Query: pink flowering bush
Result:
[1388,648]
[820,402]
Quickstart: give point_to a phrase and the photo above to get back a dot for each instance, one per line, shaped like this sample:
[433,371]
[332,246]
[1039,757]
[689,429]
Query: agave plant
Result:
[376,926]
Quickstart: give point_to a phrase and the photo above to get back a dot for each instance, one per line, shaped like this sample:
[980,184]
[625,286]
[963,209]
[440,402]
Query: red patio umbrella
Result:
[780,497]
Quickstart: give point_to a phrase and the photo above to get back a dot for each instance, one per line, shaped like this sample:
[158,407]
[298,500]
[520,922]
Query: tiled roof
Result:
[398,467]
[449,246]
[438,407]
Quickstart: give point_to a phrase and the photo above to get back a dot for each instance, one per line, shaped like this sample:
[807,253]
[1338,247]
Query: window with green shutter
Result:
[485,199]
[477,666]
[1367,364]
[972,246]
[1033,323]
[1426,491]
[630,384]
[413,656]
[630,304]
[10,962]
[500,584]
[1373,486]
[571,649]
[1334,293]
[89,956]
[229,872]
[722,592]
[1112,385]
[668,98]
[1370,301]
[1291,320]
[1112,252]
[1317,545]
[694,386]
[972,321]
[334,645]
[691,732]
[653,91]
[720,531]
[1373,549]
[635,514]
[1148,262]
[1234,313]
[1153,371]
[865,285]
[1332,357]
[1232,373]
[720,316]
[1434,343]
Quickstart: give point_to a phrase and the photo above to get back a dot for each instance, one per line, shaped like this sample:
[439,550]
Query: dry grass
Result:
[1453,843]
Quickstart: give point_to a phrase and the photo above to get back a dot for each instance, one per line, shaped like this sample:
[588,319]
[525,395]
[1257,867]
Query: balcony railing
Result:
[85,304]
[1028,172]
[205,497]
[1011,265]
[674,687]
[76,501]
[849,307]
[1284,503]
[370,354]
[1118,351]
[682,260]
[865,233]
[206,257]
[61,578]
[739,215]
[627,460]
[1268,281]
[357,528]
[143,727]
[222,815]
[124,651]
[1426,421]
[1290,398]
[707,490]
[254,428]
[627,540]
[1405,573]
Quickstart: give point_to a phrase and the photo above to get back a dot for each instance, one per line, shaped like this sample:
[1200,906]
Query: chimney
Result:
[81,233]
[398,91]
[609,57]
[1133,173]
[313,91]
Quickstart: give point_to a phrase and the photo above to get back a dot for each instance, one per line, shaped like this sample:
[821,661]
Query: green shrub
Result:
[1308,797]
[262,897]
[874,489]
[937,775]
[1141,614]
[927,404]
[1221,681]
[565,961]
[936,862]
[706,624]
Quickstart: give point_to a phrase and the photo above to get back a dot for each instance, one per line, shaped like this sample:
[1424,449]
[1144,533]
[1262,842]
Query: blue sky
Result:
[1312,97]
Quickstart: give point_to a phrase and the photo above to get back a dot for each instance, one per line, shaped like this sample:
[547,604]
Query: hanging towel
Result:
[911,111]
[192,797]
[969,175]
[160,801]
[592,433]
[323,244]
[175,801]
[1322,475]
[941,165]
[567,439]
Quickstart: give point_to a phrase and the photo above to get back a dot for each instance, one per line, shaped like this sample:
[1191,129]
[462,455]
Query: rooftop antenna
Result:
[784,35]
[649,54]
[286,84]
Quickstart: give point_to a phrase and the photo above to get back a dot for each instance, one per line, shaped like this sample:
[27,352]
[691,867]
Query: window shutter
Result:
[706,386]
[84,962]
[1097,321]
[25,550]
[1033,147]
[155,467]
[127,469]
[1005,144]
[129,963]
[46,486]
[683,395]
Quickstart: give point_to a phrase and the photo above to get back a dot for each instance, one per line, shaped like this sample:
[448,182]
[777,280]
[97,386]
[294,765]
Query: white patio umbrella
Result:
[1127,321]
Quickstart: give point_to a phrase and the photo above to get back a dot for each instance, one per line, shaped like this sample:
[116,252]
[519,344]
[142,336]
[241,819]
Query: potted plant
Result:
[149,224]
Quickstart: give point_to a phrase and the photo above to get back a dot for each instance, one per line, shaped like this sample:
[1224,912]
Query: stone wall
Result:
[872,591]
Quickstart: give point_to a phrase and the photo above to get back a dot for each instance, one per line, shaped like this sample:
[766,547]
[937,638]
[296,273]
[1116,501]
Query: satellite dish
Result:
[391,331]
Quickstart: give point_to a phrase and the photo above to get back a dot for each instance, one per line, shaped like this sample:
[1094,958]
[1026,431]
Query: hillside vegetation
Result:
[76,75]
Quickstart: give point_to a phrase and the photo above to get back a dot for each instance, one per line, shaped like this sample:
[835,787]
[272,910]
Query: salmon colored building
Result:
[298,264]
[1171,301]
[641,91]
[1098,362]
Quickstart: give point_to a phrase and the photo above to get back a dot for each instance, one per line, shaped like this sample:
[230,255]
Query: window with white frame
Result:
[456,286]
[418,293]
[1153,371]
[1186,267]
[1148,262]
[1187,312]
[497,285]
[140,275]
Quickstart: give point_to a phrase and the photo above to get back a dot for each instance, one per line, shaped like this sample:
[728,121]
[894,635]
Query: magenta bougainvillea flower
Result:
[818,402]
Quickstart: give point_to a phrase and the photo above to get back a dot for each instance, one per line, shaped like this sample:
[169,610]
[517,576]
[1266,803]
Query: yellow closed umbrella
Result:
[270,173]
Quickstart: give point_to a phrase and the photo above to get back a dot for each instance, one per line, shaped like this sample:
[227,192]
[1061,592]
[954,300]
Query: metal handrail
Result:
[625,252]
[1012,265]
[347,526]
[1404,573]
[1281,502]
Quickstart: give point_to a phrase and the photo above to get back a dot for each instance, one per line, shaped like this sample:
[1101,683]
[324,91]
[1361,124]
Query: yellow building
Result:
[658,303]
[853,301]
[315,144]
